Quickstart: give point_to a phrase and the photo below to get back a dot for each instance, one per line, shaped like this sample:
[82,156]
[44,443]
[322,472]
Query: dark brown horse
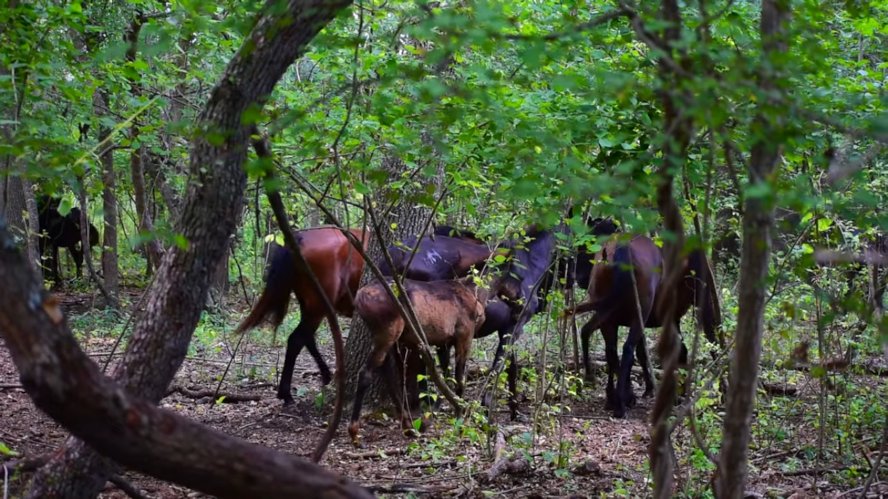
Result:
[436,257]
[625,290]
[338,267]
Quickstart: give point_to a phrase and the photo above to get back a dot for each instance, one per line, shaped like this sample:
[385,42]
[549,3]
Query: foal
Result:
[449,313]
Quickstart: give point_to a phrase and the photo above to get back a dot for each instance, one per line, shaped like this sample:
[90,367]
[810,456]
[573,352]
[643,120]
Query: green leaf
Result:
[6,451]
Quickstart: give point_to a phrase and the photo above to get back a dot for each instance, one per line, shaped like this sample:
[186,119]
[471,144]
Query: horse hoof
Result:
[353,432]
[631,401]
[287,398]
[620,413]
[326,378]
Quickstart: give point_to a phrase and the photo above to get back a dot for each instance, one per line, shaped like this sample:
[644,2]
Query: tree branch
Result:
[67,386]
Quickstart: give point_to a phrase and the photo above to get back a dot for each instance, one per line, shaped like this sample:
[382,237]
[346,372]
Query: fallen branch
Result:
[375,453]
[25,464]
[501,463]
[780,390]
[814,471]
[514,466]
[224,397]
[407,488]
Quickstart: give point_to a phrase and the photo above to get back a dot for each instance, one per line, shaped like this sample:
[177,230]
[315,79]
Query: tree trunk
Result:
[678,128]
[13,198]
[408,220]
[213,202]
[219,283]
[154,170]
[68,386]
[154,251]
[110,270]
[758,221]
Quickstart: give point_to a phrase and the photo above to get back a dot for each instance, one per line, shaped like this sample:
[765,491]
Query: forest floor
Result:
[600,456]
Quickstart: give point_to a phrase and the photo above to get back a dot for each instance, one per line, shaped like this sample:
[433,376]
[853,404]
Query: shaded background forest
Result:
[493,116]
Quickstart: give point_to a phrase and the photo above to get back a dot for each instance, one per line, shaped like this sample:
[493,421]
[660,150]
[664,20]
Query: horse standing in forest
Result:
[522,281]
[449,312]
[626,290]
[61,231]
[337,266]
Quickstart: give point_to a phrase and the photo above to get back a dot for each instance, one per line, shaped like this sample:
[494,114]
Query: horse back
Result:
[336,264]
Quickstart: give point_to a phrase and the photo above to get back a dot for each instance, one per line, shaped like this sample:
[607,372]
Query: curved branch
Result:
[71,389]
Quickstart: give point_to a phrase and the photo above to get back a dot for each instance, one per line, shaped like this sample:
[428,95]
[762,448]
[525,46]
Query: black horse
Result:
[61,231]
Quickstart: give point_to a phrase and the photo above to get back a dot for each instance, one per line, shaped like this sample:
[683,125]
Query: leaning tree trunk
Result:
[213,202]
[69,387]
[409,220]
[758,221]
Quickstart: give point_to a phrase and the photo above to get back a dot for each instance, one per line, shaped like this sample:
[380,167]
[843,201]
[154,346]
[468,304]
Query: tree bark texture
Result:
[70,388]
[212,205]
[758,221]
[409,220]
[677,128]
[110,269]
[154,252]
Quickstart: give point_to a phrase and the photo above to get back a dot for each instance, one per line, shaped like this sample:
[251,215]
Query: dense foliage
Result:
[519,110]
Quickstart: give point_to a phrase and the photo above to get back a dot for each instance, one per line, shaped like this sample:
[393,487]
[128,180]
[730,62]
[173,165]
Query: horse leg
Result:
[462,356]
[585,333]
[377,357]
[304,332]
[625,395]
[500,351]
[513,385]
[312,345]
[392,381]
[641,352]
[54,264]
[77,256]
[444,360]
[609,332]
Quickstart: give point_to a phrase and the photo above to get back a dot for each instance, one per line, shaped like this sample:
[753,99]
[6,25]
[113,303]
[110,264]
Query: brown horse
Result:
[449,312]
[625,290]
[337,266]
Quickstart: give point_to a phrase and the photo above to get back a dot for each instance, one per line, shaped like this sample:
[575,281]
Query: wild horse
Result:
[61,231]
[449,312]
[337,266]
[522,281]
[625,290]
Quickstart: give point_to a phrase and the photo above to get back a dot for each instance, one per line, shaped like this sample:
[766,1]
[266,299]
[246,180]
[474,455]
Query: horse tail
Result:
[708,308]
[275,298]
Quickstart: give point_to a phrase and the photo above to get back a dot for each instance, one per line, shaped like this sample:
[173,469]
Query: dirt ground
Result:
[607,457]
